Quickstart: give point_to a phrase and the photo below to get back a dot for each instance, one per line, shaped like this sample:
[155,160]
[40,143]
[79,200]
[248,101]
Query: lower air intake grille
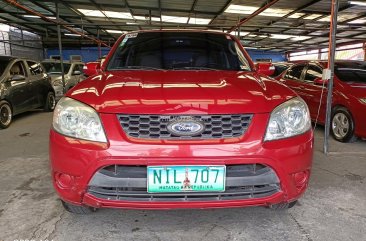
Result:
[128,183]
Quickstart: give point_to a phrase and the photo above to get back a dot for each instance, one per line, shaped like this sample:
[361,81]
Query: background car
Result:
[349,95]
[24,86]
[73,74]
[279,68]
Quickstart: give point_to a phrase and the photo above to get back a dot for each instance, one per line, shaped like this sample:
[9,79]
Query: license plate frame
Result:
[201,178]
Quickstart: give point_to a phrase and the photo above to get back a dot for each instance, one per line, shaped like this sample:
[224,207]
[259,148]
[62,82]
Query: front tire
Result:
[343,126]
[50,102]
[77,209]
[6,114]
[282,206]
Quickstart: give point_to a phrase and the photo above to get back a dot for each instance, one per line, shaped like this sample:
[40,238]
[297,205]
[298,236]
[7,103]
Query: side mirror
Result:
[320,81]
[265,68]
[17,78]
[76,72]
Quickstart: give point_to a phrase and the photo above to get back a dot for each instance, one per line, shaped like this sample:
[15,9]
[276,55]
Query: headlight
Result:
[288,119]
[363,101]
[75,119]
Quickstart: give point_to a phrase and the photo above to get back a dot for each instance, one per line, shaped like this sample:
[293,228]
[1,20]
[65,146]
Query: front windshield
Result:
[178,51]
[55,68]
[351,72]
[3,65]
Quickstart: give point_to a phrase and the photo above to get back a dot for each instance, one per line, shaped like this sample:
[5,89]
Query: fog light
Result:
[64,180]
[301,179]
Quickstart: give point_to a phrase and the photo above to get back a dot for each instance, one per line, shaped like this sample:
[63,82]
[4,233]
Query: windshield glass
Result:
[3,65]
[55,68]
[351,72]
[178,51]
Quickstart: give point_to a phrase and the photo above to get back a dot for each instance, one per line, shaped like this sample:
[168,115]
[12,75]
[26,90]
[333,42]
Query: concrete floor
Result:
[333,208]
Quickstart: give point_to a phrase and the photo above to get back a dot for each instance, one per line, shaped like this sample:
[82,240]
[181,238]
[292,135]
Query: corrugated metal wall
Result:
[20,43]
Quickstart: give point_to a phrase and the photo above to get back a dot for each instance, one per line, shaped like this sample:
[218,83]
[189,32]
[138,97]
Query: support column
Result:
[331,56]
[60,47]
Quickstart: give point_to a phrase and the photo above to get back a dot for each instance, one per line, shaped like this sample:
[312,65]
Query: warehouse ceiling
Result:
[280,25]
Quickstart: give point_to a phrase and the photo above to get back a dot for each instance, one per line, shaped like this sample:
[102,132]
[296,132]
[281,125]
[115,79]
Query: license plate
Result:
[185,179]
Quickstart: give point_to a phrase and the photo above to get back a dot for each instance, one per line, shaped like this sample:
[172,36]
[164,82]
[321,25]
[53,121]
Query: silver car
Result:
[73,74]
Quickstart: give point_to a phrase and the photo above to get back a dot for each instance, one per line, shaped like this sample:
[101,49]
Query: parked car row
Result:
[27,84]
[73,74]
[24,86]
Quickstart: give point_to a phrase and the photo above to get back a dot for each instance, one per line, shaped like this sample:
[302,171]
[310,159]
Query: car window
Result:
[35,68]
[18,69]
[279,69]
[351,72]
[55,68]
[178,51]
[313,72]
[3,65]
[294,73]
[78,67]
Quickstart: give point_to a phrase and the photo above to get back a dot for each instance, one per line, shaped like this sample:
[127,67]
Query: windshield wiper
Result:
[137,67]
[195,68]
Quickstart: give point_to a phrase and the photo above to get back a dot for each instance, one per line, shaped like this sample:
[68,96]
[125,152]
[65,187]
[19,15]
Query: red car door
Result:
[316,94]
[293,78]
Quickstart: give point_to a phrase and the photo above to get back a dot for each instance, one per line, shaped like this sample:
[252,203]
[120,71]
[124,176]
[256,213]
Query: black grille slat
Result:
[155,126]
[128,183]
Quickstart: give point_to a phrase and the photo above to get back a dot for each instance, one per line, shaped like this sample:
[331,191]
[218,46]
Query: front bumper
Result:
[80,161]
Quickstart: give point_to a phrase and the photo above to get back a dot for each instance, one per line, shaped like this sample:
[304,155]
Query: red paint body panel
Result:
[185,93]
[344,94]
[91,68]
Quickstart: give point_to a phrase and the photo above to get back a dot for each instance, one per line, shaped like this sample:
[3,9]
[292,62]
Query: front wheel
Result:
[6,114]
[283,206]
[77,209]
[343,126]
[50,102]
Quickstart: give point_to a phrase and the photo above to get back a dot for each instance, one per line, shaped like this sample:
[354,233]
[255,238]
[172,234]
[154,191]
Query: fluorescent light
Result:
[242,34]
[31,16]
[357,3]
[325,19]
[72,34]
[239,9]
[147,18]
[263,36]
[199,20]
[91,13]
[103,14]
[358,21]
[252,35]
[173,19]
[300,38]
[115,31]
[280,36]
[113,14]
[131,23]
[313,16]
[296,15]
[247,10]
[4,27]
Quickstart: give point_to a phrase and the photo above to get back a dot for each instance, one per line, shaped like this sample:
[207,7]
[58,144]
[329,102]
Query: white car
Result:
[73,75]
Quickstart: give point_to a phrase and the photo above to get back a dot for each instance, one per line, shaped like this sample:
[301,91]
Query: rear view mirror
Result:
[320,81]
[265,68]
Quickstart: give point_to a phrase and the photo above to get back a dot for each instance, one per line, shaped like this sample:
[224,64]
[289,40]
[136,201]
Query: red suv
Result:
[349,95]
[180,119]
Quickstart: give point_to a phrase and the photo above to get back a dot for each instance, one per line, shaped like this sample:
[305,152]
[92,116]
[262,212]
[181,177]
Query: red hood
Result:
[183,92]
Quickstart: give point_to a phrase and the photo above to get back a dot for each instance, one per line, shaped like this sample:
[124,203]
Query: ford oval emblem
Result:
[185,128]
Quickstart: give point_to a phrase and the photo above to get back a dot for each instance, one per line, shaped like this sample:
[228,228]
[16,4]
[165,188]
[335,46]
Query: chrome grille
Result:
[155,126]
[129,183]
